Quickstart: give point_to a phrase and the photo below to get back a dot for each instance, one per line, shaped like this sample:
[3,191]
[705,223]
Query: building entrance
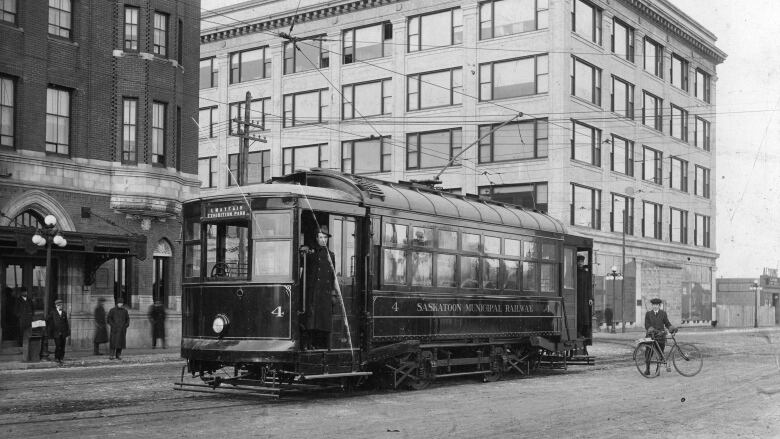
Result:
[16,273]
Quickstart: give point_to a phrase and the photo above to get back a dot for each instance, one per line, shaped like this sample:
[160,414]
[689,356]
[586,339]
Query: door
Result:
[343,230]
[27,273]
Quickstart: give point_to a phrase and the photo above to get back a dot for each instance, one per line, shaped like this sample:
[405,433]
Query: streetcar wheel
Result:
[648,363]
[687,360]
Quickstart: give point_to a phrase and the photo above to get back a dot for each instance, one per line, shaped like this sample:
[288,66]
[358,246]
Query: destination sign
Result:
[226,210]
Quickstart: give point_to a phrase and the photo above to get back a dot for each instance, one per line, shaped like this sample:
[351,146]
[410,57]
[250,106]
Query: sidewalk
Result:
[11,359]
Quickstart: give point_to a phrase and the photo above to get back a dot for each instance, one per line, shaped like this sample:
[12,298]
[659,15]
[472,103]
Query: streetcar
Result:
[430,285]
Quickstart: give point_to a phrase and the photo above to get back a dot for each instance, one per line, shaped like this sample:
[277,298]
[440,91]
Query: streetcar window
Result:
[272,258]
[549,283]
[395,266]
[492,245]
[530,278]
[191,248]
[469,271]
[445,271]
[422,269]
[529,250]
[422,237]
[272,251]
[512,247]
[227,251]
[490,273]
[548,252]
[568,268]
[448,239]
[271,225]
[511,278]
[470,242]
[395,234]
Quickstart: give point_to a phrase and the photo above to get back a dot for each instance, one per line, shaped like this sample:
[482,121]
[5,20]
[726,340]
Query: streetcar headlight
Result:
[220,323]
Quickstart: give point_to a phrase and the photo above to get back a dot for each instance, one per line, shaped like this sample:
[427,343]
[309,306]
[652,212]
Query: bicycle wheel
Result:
[687,360]
[647,360]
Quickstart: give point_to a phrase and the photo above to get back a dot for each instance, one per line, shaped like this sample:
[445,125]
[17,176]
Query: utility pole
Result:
[243,133]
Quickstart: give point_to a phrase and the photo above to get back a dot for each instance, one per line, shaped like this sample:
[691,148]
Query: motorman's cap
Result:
[58,302]
[324,231]
[655,301]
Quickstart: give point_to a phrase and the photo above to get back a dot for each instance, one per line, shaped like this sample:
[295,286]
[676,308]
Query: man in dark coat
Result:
[119,319]
[24,312]
[320,291]
[59,330]
[101,330]
[656,321]
[157,318]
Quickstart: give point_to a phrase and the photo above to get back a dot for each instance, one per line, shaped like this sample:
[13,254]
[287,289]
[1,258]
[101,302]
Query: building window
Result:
[60,18]
[678,123]
[585,143]
[367,99]
[8,11]
[57,121]
[702,182]
[679,174]
[622,40]
[366,156]
[305,55]
[159,131]
[678,225]
[129,130]
[528,195]
[160,32]
[513,78]
[131,29]
[652,111]
[433,30]
[7,117]
[586,20]
[506,17]
[513,141]
[249,65]
[433,149]
[651,220]
[622,99]
[368,42]
[622,156]
[234,164]
[309,156]
[585,207]
[701,234]
[701,134]
[208,73]
[305,107]
[207,122]
[621,218]
[258,114]
[434,89]
[679,72]
[207,171]
[585,81]
[123,275]
[654,58]
[259,169]
[652,168]
[702,86]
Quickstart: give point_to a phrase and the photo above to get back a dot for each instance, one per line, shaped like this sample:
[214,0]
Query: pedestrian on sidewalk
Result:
[24,312]
[119,319]
[59,330]
[101,330]
[157,318]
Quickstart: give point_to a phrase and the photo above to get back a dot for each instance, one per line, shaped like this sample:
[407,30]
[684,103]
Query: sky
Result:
[746,178]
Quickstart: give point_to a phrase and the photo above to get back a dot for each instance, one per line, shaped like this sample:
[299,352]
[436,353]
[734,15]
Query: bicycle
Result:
[685,357]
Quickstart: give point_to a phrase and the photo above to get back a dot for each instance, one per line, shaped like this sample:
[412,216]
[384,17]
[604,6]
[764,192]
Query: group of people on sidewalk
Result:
[110,328]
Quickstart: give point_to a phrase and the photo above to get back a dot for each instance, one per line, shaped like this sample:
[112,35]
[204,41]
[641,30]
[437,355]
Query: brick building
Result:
[96,102]
[616,136]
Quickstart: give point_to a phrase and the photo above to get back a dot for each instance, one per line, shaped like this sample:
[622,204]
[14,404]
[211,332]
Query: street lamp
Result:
[615,275]
[755,287]
[46,236]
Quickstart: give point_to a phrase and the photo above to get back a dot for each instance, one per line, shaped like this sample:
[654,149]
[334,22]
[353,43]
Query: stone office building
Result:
[616,137]
[96,102]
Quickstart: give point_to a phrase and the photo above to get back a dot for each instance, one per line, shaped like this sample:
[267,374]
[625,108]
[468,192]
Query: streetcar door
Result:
[343,243]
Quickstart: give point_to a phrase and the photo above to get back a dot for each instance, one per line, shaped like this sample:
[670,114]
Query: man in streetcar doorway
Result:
[655,322]
[320,292]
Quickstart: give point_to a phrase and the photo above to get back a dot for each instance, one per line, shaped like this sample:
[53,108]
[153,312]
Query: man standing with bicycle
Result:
[655,322]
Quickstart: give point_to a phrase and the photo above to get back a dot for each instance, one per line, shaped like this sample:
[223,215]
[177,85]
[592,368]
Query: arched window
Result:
[162,257]
[28,218]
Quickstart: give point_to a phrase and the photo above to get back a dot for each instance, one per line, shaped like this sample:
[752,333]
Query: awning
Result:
[96,248]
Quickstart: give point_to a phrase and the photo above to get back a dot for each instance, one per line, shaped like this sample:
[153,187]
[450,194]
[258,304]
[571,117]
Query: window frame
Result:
[627,218]
[683,120]
[211,172]
[129,156]
[536,199]
[159,147]
[488,141]
[595,206]
[491,81]
[630,43]
[702,141]
[160,35]
[239,68]
[63,25]
[596,25]
[290,55]
[419,35]
[453,132]
[539,23]
[385,155]
[8,8]
[657,220]
[682,178]
[385,100]
[323,156]
[58,118]
[414,87]
[629,103]
[291,96]
[629,162]
[701,231]
[238,106]
[681,216]
[213,76]
[212,110]
[349,53]
[595,143]
[265,166]
[657,165]
[8,136]
[595,86]
[706,88]
[658,63]
[658,115]
[701,184]
[133,38]
[684,72]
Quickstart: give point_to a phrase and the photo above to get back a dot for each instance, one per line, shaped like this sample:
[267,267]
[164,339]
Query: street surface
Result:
[737,394]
